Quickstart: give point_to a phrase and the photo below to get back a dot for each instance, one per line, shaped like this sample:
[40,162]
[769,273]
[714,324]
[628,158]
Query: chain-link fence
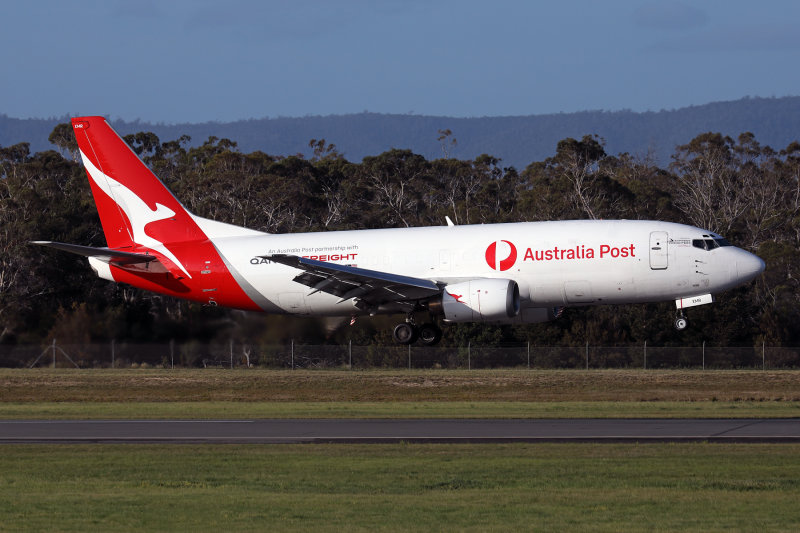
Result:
[292,355]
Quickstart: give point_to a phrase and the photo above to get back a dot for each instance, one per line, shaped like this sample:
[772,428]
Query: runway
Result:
[406,430]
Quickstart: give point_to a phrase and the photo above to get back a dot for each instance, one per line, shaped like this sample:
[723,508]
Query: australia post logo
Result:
[501,255]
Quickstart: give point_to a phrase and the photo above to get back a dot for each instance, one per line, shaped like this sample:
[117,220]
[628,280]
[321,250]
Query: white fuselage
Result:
[559,263]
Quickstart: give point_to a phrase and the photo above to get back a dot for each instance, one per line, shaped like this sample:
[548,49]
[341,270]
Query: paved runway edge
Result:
[393,431]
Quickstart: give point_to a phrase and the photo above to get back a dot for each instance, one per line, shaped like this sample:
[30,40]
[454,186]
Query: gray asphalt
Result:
[386,431]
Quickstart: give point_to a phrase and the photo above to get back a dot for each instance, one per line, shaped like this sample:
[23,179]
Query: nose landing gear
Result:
[680,321]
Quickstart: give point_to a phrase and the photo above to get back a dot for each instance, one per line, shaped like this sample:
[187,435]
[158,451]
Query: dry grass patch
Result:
[256,385]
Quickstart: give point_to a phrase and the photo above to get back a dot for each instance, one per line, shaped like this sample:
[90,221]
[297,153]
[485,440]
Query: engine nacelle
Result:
[481,300]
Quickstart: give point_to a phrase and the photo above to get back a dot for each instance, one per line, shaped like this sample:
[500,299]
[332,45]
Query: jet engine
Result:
[480,300]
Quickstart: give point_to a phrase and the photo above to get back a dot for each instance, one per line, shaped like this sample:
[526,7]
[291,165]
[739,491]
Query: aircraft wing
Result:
[369,286]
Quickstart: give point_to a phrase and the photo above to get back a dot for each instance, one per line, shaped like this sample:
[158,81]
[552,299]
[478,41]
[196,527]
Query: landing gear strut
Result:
[680,321]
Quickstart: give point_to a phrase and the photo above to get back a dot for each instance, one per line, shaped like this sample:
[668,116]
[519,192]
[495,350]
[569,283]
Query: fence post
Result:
[587,355]
[645,355]
[231,354]
[763,358]
[529,355]
[704,355]
[172,353]
[54,352]
[292,354]
[409,357]
[469,355]
[112,352]
[350,354]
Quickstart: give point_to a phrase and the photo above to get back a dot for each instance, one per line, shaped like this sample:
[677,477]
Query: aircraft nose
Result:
[748,266]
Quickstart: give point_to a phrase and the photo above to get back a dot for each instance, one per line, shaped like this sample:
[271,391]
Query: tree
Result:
[447,141]
[146,144]
[394,180]
[578,163]
[708,191]
[63,136]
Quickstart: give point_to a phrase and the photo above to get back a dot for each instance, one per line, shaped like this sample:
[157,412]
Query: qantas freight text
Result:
[331,257]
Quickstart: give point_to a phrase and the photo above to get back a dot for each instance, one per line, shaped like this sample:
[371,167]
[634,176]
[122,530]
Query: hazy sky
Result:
[193,61]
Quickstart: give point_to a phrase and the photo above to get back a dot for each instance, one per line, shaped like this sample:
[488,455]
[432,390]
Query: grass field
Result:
[480,409]
[436,487]
[256,385]
[553,487]
[212,394]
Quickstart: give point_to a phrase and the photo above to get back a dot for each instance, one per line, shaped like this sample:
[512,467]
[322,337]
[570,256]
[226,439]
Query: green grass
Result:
[561,487]
[554,487]
[478,409]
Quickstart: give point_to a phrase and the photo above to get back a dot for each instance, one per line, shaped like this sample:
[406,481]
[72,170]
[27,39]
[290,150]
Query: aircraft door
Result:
[659,252]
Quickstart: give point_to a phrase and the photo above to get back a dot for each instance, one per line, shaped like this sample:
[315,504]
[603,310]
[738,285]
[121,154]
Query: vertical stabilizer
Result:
[135,208]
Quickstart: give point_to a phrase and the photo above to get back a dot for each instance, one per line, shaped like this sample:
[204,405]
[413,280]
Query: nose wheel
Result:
[680,321]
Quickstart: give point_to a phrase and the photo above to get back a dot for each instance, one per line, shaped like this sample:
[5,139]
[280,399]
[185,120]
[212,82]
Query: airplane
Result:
[514,273]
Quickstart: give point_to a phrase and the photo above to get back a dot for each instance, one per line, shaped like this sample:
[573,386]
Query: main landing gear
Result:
[408,333]
[680,321]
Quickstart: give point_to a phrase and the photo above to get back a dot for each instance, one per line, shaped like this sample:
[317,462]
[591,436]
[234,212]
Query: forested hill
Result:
[516,140]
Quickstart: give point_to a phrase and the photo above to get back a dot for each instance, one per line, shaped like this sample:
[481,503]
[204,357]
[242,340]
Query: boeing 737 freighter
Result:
[496,273]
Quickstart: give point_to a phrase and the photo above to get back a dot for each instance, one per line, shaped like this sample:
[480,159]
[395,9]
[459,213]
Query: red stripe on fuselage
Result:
[211,282]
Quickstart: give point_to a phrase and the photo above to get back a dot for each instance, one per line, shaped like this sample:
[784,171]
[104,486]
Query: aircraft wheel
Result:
[681,323]
[405,333]
[430,334]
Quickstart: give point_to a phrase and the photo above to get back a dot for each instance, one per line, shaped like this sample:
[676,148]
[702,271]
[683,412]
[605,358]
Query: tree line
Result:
[748,192]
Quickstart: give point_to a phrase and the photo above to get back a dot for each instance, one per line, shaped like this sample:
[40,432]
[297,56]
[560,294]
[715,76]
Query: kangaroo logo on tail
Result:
[138,212]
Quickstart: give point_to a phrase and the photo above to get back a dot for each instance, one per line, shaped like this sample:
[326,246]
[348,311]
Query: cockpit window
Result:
[709,244]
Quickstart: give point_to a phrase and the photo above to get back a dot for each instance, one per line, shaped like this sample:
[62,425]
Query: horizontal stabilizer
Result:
[108,255]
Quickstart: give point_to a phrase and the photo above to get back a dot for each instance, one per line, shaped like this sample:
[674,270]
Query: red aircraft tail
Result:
[153,242]
[136,210]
